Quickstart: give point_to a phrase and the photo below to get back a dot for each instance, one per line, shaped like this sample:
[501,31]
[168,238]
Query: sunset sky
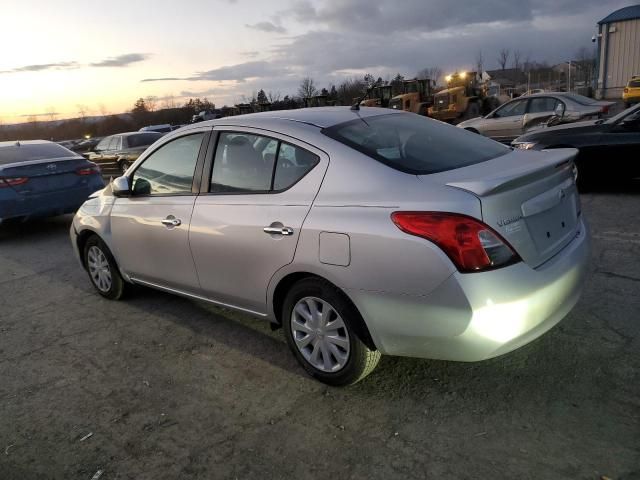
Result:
[60,57]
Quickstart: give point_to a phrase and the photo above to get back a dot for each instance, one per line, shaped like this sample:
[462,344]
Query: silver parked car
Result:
[522,114]
[361,233]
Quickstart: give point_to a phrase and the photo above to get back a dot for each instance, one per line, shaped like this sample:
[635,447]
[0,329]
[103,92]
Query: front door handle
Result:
[278,230]
[172,221]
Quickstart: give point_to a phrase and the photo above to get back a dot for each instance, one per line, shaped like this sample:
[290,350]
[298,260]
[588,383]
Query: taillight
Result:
[94,170]
[470,244]
[605,109]
[626,90]
[12,181]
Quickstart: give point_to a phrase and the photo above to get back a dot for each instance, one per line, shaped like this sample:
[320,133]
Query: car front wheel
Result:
[320,327]
[102,269]
[124,165]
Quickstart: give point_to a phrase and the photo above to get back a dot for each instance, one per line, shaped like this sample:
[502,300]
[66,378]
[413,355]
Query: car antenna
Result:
[356,106]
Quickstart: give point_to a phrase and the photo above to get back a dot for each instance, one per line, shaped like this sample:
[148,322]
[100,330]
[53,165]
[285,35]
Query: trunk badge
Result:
[52,166]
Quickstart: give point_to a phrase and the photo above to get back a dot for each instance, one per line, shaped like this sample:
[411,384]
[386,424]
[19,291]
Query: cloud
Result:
[44,66]
[238,73]
[250,53]
[121,60]
[268,27]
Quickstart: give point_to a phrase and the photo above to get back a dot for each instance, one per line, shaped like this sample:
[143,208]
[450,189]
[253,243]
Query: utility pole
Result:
[569,85]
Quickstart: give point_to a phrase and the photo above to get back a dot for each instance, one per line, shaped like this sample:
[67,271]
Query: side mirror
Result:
[559,110]
[121,187]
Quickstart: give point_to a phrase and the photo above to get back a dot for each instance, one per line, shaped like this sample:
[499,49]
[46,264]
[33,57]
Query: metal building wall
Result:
[620,56]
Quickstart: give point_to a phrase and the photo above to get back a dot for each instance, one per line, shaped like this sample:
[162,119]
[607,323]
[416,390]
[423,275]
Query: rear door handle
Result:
[278,230]
[172,221]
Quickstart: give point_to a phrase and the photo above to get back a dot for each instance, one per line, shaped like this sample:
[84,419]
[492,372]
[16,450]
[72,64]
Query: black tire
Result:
[124,165]
[627,104]
[361,360]
[472,130]
[117,285]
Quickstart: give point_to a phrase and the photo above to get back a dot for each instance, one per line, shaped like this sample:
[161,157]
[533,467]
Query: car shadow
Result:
[238,331]
[38,227]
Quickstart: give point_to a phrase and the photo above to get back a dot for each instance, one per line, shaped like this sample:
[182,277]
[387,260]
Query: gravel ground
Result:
[161,387]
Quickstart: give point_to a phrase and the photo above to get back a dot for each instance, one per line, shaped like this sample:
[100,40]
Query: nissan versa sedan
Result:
[40,178]
[525,113]
[359,232]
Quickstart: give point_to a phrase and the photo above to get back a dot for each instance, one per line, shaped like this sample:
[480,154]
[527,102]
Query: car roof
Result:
[128,134]
[318,117]
[23,143]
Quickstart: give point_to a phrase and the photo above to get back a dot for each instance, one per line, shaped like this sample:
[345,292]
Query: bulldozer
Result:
[379,96]
[416,96]
[465,97]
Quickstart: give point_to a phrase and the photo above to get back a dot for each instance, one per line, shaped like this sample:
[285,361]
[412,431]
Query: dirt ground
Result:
[159,387]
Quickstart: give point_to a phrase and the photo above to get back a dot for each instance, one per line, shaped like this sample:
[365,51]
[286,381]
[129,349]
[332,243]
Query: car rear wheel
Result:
[102,269]
[320,327]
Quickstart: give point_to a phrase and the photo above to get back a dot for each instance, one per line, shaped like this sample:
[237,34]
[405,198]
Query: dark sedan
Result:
[114,154]
[40,179]
[608,149]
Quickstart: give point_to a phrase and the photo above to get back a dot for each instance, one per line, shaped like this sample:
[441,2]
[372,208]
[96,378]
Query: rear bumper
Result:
[49,203]
[472,317]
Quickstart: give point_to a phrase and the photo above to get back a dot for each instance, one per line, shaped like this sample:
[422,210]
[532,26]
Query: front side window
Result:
[170,169]
[246,163]
[415,144]
[542,105]
[512,109]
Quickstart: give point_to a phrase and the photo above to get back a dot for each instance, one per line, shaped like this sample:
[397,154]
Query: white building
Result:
[618,51]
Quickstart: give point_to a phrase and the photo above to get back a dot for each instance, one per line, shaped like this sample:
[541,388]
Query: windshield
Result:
[34,151]
[415,144]
[581,99]
[623,114]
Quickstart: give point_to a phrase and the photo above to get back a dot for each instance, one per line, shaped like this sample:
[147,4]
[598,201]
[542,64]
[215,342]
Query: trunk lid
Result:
[529,197]
[46,175]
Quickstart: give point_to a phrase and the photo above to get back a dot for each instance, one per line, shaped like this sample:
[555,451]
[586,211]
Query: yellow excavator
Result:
[416,96]
[465,97]
[379,96]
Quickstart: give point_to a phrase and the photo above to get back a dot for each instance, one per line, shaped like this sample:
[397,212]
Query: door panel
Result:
[149,250]
[506,124]
[150,229]
[235,258]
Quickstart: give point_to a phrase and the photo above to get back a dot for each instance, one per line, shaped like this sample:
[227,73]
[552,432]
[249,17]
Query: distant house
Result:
[618,50]
[508,77]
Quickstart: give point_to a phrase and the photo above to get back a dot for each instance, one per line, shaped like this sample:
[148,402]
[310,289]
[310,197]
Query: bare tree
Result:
[82,111]
[585,65]
[479,62]
[103,109]
[517,55]
[432,73]
[51,113]
[168,101]
[503,57]
[151,102]
[274,96]
[307,88]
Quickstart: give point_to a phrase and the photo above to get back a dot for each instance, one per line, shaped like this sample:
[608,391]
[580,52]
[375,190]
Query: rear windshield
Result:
[634,83]
[414,144]
[142,139]
[28,152]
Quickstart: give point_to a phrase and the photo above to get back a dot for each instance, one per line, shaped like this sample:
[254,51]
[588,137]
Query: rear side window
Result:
[246,163]
[29,152]
[542,104]
[142,139]
[415,144]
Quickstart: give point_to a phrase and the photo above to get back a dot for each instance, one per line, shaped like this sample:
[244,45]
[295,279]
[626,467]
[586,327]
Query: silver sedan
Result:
[522,114]
[360,233]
